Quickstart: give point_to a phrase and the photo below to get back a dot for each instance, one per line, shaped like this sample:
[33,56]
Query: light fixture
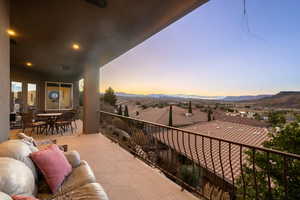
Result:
[11,32]
[29,64]
[76,46]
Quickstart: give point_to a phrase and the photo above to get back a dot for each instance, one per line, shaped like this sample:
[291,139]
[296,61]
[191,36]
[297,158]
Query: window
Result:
[59,96]
[66,98]
[16,97]
[31,94]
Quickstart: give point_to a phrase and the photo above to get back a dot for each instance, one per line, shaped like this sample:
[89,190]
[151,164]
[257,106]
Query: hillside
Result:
[245,98]
[281,100]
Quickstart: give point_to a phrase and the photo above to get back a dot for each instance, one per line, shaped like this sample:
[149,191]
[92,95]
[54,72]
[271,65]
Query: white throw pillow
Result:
[15,177]
[4,196]
[19,150]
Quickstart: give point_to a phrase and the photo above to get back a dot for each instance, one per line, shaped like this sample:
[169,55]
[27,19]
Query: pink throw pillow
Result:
[20,197]
[53,165]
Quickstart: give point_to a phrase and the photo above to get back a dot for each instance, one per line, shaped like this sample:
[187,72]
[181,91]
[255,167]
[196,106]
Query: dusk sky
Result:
[213,52]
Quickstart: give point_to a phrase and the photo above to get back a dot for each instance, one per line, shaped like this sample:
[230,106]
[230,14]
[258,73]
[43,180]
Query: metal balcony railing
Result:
[209,167]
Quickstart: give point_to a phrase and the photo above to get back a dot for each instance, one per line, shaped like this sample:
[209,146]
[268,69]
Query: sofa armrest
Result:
[74,158]
[36,143]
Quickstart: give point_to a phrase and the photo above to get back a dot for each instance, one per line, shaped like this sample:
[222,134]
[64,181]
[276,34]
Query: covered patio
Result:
[122,175]
[48,46]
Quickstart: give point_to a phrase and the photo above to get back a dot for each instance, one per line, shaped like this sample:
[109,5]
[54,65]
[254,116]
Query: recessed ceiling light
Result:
[29,64]
[11,32]
[76,46]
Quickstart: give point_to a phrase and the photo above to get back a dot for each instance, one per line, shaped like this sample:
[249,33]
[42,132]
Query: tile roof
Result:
[217,156]
[161,116]
[221,116]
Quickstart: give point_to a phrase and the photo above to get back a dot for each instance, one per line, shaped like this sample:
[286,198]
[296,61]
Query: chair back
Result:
[27,119]
[12,117]
[68,116]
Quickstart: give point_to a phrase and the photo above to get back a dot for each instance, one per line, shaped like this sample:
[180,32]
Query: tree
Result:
[126,114]
[209,114]
[297,116]
[277,119]
[190,107]
[170,116]
[110,97]
[120,112]
[216,106]
[287,140]
[257,116]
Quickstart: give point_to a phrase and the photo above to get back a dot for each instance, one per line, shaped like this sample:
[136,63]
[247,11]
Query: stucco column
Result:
[4,71]
[24,97]
[91,101]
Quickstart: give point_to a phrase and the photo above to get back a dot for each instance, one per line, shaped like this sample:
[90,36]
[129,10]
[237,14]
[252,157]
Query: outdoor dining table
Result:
[51,119]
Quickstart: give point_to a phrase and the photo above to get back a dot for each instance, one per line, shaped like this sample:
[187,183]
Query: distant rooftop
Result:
[214,154]
[180,118]
[242,133]
[221,116]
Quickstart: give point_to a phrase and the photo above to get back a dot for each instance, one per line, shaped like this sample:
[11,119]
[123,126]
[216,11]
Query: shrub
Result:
[139,137]
[144,107]
[191,175]
[121,124]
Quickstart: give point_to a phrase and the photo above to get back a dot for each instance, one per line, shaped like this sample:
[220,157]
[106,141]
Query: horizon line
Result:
[170,94]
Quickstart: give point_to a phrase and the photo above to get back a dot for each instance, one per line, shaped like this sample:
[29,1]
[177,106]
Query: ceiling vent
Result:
[98,3]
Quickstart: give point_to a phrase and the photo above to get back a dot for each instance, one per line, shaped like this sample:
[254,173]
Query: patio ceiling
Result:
[46,30]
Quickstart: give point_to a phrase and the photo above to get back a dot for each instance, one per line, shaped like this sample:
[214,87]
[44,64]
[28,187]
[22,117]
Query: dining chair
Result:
[65,122]
[28,121]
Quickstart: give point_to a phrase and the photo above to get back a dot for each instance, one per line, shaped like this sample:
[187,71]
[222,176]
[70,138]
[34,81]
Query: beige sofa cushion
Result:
[4,196]
[91,191]
[16,177]
[19,150]
[79,176]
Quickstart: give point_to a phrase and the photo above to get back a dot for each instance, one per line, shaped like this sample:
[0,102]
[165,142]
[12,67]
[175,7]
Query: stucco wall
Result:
[30,76]
[4,70]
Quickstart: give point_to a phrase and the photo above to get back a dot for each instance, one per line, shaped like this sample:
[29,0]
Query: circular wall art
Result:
[54,95]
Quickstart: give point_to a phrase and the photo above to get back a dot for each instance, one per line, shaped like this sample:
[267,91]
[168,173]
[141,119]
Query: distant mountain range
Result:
[220,98]
[286,99]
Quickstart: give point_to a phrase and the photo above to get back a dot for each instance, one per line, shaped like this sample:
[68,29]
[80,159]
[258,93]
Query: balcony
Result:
[133,159]
[123,175]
